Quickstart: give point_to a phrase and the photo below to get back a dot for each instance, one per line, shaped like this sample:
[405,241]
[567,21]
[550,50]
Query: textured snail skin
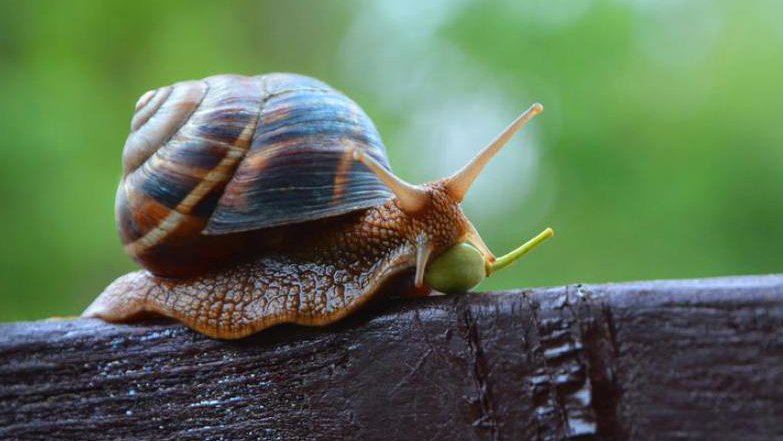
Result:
[320,273]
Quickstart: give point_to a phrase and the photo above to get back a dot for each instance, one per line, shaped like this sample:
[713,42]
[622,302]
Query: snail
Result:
[254,201]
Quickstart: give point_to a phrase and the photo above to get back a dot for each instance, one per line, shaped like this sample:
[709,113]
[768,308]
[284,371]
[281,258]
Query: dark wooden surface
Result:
[698,359]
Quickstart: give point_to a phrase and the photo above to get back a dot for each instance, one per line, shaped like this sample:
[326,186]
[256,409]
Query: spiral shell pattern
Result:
[209,159]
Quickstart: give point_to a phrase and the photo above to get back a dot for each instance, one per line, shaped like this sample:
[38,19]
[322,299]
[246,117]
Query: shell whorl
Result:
[231,154]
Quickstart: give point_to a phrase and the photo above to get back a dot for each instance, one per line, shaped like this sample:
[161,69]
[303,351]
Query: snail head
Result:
[469,261]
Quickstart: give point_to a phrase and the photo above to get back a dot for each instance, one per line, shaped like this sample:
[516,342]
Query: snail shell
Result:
[209,163]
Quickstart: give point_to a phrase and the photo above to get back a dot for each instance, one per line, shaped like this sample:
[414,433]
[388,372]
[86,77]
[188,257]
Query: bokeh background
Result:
[659,155]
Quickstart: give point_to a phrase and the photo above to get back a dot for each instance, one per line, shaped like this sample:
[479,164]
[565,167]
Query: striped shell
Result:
[209,161]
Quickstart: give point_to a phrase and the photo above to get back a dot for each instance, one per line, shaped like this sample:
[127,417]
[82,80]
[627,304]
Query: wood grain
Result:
[695,359]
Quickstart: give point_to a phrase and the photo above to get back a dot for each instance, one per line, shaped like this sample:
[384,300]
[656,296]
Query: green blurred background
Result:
[659,155]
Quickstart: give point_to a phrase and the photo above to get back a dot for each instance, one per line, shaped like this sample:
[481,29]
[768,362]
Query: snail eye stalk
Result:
[411,198]
[459,183]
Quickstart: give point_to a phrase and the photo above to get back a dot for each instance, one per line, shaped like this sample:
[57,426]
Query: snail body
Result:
[253,201]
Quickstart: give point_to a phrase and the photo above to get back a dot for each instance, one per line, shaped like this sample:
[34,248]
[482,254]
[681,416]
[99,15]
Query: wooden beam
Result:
[696,359]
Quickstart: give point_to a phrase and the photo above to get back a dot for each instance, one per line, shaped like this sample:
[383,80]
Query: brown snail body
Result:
[253,201]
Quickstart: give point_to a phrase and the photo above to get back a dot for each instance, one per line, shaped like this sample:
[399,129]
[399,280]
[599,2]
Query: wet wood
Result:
[698,359]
